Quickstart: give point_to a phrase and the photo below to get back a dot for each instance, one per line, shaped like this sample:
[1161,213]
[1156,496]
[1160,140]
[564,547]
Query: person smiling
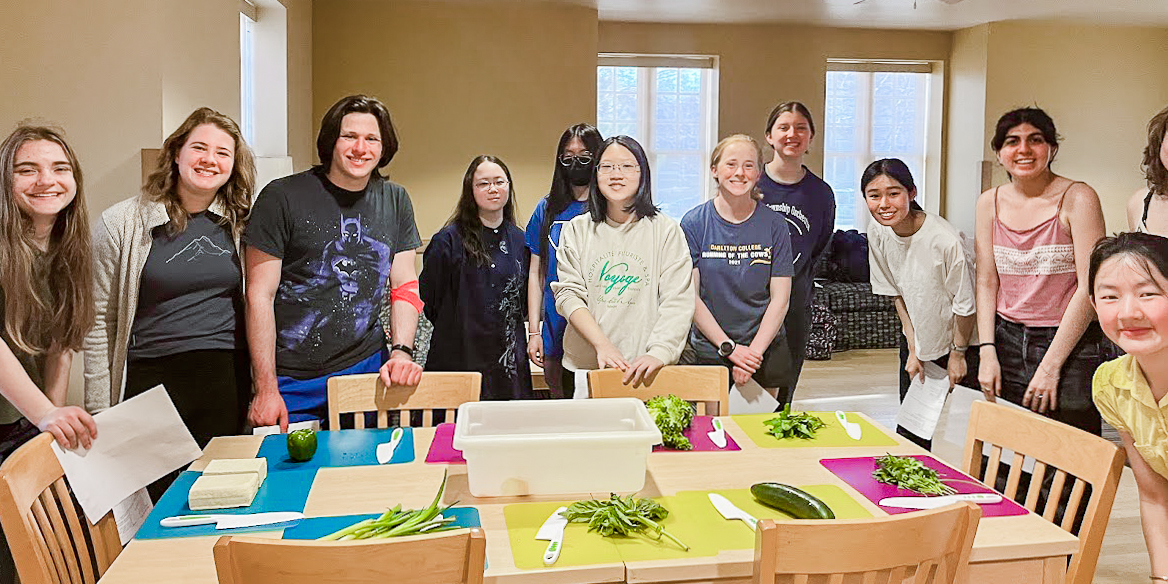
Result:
[1035,233]
[1129,289]
[1147,210]
[625,283]
[321,246]
[169,284]
[741,252]
[808,203]
[918,259]
[474,287]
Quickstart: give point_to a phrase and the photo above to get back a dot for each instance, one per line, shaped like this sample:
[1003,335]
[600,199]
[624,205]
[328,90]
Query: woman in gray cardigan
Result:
[168,284]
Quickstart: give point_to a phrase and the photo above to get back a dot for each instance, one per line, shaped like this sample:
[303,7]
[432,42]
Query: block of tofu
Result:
[223,491]
[223,466]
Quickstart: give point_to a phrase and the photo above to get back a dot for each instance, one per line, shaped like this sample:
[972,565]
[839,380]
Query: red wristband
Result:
[408,292]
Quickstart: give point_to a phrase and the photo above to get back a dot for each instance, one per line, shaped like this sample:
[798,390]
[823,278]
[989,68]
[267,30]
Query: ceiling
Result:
[911,14]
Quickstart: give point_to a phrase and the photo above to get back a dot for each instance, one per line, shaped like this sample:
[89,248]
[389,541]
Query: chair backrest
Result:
[927,547]
[1068,452]
[454,557]
[51,540]
[707,386]
[358,394]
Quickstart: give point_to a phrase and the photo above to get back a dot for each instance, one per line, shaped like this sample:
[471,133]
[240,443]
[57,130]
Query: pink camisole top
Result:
[1036,269]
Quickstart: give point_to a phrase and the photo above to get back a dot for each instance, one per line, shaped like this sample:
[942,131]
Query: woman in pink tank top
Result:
[1034,238]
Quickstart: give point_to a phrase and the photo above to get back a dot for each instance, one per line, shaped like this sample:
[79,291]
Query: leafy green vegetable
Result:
[794,424]
[621,517]
[395,522]
[672,416]
[910,473]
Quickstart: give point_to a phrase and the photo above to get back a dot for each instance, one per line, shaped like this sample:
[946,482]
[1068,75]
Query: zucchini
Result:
[797,503]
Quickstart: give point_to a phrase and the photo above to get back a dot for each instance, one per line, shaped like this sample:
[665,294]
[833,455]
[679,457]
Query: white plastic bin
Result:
[555,447]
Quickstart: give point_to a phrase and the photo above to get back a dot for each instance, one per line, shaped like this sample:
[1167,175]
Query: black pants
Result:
[211,389]
[774,371]
[797,331]
[972,362]
[12,436]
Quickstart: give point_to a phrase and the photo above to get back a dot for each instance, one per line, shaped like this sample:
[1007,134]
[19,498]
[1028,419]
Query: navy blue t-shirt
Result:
[736,262]
[809,206]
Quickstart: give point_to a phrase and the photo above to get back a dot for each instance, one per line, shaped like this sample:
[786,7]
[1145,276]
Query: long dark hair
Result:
[1154,170]
[642,203]
[1149,251]
[560,194]
[330,128]
[35,324]
[794,107]
[466,213]
[895,169]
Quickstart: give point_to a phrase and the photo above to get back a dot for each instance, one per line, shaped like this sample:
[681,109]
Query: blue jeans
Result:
[307,399]
[1020,349]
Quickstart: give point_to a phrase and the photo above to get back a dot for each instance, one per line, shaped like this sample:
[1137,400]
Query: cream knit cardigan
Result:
[121,244]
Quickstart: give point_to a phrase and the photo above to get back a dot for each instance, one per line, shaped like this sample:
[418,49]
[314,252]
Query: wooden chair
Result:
[708,386]
[357,394]
[927,546]
[1069,453]
[454,557]
[52,542]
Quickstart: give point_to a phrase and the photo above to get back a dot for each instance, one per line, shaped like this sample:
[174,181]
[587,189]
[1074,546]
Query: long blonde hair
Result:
[34,323]
[162,184]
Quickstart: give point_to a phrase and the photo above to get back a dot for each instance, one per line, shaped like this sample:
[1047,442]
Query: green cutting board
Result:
[831,435]
[580,547]
[693,520]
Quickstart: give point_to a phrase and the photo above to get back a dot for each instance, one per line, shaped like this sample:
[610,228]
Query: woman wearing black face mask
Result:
[567,198]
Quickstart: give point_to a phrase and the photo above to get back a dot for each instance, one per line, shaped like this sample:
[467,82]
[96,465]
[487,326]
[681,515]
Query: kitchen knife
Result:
[225,521]
[385,450]
[553,530]
[730,512]
[853,429]
[934,502]
[718,434]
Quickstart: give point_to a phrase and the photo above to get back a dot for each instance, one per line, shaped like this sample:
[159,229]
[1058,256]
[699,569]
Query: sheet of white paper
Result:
[138,442]
[921,409]
[751,398]
[265,430]
[131,513]
[957,422]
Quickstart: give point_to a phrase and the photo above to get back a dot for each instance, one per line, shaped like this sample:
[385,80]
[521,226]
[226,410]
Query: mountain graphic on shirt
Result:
[197,248]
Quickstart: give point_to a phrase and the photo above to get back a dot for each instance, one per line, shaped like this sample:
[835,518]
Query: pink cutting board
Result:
[857,472]
[442,446]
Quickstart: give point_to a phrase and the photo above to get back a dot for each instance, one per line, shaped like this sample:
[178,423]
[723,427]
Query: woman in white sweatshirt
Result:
[625,283]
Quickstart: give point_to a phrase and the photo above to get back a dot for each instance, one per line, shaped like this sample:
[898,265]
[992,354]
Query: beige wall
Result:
[1100,84]
[762,65]
[301,128]
[966,115]
[461,80]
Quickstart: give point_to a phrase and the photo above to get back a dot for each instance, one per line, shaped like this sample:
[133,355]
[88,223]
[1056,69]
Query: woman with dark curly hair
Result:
[1147,210]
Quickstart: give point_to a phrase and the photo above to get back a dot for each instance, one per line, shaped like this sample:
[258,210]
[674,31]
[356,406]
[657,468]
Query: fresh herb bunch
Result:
[672,416]
[395,522]
[794,424]
[621,517]
[910,473]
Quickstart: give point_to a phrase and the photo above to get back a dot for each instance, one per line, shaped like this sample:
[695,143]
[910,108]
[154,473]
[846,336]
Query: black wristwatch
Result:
[726,348]
[403,348]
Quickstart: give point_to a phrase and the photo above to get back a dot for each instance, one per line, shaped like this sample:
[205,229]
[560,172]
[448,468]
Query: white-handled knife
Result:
[225,521]
[853,429]
[730,511]
[553,530]
[718,434]
[385,450]
[941,501]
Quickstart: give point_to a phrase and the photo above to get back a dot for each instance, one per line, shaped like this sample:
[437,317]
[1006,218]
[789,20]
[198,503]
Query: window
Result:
[872,112]
[668,105]
[247,73]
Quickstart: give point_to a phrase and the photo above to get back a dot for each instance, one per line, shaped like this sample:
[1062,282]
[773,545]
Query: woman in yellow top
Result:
[1130,293]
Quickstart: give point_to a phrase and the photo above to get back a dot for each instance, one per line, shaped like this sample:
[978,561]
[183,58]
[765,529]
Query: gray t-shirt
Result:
[189,295]
[736,262]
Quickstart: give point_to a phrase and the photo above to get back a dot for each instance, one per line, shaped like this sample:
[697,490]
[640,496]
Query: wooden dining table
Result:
[1015,549]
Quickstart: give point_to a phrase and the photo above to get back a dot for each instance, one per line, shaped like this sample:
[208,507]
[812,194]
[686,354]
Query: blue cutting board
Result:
[314,527]
[281,491]
[338,448]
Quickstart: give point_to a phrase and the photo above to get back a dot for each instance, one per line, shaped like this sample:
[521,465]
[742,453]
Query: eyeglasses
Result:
[568,159]
[484,185]
[625,169]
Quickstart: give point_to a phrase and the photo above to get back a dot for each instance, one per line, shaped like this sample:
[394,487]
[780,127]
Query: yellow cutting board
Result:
[580,547]
[831,435]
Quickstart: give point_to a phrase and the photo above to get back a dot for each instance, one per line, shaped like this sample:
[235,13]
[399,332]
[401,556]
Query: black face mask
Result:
[579,174]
